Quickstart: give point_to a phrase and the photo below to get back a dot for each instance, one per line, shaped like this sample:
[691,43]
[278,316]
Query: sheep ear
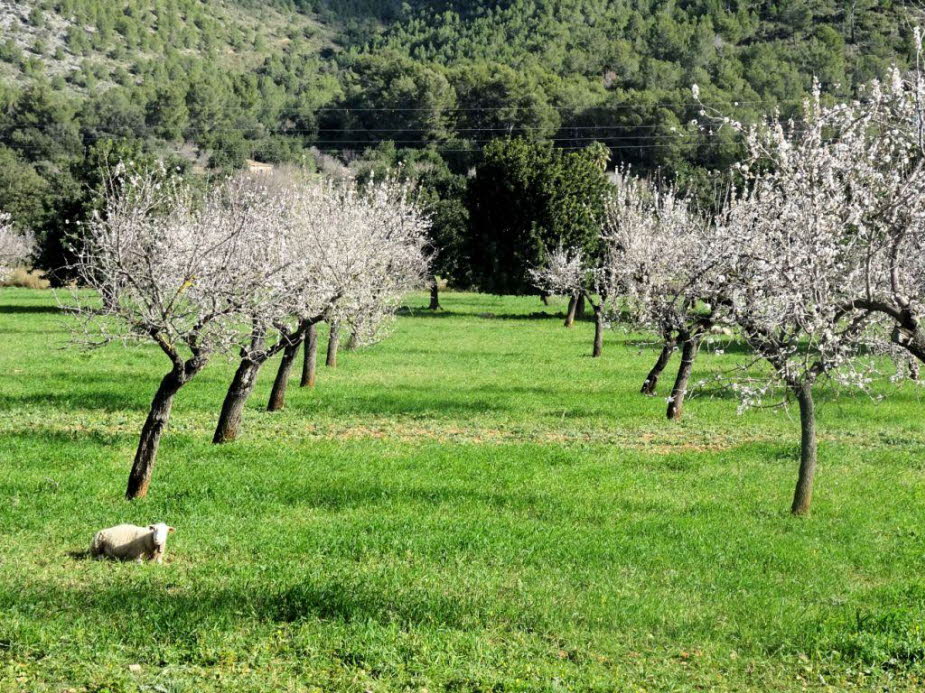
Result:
[171,530]
[151,527]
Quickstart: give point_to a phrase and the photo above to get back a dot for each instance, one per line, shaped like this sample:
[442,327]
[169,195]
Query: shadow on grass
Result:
[727,346]
[20,309]
[108,401]
[350,597]
[336,496]
[412,312]
[409,312]
[86,436]
[423,403]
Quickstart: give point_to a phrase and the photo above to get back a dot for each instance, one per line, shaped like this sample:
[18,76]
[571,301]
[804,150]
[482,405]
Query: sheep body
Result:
[130,542]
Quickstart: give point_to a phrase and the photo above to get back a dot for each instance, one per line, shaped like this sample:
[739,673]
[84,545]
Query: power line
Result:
[693,104]
[285,130]
[345,145]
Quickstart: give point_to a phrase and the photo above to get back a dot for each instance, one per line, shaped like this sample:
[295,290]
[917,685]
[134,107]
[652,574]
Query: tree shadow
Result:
[93,436]
[424,404]
[21,309]
[536,315]
[102,400]
[725,345]
[332,495]
[407,312]
[180,616]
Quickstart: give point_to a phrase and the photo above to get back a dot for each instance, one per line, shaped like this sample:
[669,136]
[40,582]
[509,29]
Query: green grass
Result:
[472,505]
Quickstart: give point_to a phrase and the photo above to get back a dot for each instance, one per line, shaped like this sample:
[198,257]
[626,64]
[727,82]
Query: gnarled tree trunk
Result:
[545,299]
[598,330]
[690,343]
[278,393]
[580,307]
[434,295]
[158,416]
[803,495]
[310,364]
[233,407]
[651,381]
[911,337]
[333,344]
[570,313]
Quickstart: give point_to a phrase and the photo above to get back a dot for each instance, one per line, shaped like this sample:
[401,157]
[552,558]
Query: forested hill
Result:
[218,82]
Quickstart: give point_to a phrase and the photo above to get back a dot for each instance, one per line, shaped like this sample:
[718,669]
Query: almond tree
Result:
[375,254]
[660,262]
[16,247]
[882,167]
[568,272]
[174,270]
[351,252]
[792,250]
[785,286]
[826,252]
[873,151]
[379,256]
[295,214]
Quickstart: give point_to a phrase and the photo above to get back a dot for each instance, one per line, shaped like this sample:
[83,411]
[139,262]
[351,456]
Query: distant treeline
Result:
[215,84]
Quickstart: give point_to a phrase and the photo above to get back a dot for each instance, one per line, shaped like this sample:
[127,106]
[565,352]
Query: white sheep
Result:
[131,542]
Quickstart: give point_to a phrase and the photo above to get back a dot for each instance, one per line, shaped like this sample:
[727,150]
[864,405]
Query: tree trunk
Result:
[146,454]
[545,299]
[353,343]
[434,295]
[690,344]
[598,331]
[570,313]
[803,496]
[651,381]
[233,407]
[911,338]
[278,393]
[580,307]
[333,343]
[311,357]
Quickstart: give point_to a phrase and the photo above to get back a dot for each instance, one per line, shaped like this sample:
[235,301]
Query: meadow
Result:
[474,504]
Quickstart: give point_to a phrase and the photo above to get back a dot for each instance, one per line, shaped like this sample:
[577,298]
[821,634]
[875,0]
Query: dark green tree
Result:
[527,198]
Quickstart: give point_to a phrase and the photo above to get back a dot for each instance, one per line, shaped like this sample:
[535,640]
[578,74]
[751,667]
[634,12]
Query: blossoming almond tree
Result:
[174,270]
[882,167]
[373,253]
[828,248]
[16,247]
[568,272]
[294,212]
[350,252]
[660,262]
[791,250]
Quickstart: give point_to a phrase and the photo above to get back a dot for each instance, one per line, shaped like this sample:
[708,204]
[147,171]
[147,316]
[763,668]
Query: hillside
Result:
[91,44]
[218,83]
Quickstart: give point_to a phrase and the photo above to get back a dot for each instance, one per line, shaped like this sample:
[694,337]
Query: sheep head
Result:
[161,530]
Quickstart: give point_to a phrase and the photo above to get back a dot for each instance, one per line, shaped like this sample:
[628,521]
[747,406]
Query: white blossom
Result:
[16,247]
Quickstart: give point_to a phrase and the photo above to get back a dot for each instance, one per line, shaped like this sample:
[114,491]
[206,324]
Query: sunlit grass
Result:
[473,504]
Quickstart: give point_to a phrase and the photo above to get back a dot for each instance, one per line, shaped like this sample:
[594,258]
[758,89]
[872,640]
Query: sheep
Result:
[131,542]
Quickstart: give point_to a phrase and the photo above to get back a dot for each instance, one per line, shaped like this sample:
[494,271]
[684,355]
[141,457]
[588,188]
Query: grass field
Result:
[472,505]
